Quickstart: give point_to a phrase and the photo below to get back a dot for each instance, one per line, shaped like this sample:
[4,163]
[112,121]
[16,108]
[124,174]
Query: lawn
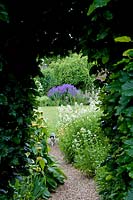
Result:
[51,114]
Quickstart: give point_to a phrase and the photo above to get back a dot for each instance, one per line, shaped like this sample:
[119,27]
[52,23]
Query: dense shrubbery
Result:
[80,137]
[117,97]
[73,69]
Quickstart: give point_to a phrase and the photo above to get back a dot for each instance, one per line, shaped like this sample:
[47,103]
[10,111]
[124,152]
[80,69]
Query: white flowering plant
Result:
[80,136]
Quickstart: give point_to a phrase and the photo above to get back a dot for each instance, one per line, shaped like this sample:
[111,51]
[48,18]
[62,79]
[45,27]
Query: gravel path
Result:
[77,186]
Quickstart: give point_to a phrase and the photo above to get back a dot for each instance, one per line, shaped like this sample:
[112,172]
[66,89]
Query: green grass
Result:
[51,114]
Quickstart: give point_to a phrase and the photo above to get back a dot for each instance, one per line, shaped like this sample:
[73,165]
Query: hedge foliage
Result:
[73,69]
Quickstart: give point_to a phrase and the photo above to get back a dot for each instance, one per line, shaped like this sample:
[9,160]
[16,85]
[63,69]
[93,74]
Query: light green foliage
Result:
[80,137]
[45,101]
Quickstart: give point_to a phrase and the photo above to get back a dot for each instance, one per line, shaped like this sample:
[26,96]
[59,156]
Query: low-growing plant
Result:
[63,94]
[80,137]
[44,173]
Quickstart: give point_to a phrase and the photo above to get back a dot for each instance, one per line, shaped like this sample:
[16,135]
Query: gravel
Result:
[77,186]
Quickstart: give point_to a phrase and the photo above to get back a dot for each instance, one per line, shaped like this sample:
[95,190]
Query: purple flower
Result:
[63,89]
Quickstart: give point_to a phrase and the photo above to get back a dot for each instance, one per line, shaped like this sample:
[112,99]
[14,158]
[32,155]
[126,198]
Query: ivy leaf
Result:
[97,4]
[128,88]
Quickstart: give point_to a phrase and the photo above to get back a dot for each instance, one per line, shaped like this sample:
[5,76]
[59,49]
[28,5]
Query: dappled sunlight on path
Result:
[77,186]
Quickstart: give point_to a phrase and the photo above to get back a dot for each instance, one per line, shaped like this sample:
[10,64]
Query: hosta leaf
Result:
[127,88]
[97,4]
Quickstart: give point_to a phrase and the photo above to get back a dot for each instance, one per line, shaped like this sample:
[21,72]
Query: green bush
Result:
[81,140]
[49,79]
[117,97]
[45,101]
[73,69]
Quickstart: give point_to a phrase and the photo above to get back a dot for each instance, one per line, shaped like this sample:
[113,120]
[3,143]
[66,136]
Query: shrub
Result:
[45,101]
[48,80]
[73,69]
[117,97]
[80,137]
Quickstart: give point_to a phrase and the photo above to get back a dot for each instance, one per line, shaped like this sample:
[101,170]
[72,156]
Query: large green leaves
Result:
[97,4]
[127,88]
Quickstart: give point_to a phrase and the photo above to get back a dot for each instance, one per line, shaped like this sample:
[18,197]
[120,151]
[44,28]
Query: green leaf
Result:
[3,13]
[46,193]
[51,182]
[42,163]
[122,39]
[102,35]
[129,142]
[108,15]
[127,88]
[97,4]
[16,140]
[131,174]
[128,53]
[130,152]
[20,120]
[130,194]
[105,59]
[3,99]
